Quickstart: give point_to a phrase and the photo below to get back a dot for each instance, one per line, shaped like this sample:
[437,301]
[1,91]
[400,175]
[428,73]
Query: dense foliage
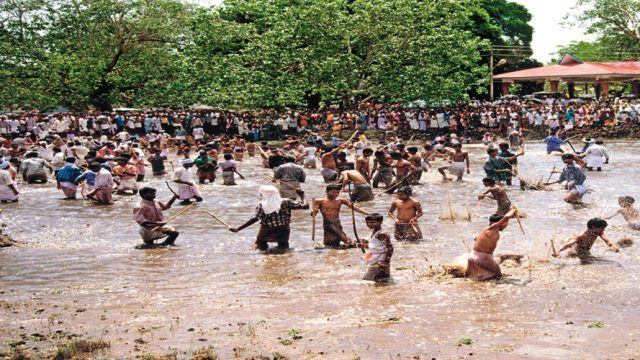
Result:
[247,53]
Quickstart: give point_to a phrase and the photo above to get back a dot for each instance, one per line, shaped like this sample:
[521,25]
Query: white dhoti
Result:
[129,184]
[149,236]
[594,161]
[456,168]
[186,192]
[7,194]
[482,266]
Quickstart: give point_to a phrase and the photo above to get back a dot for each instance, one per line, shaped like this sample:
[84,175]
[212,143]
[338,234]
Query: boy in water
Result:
[582,244]
[498,193]
[628,211]
[148,214]
[380,250]
[330,209]
[481,265]
[409,211]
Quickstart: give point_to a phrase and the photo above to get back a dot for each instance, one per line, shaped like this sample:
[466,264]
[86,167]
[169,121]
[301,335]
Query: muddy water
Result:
[77,273]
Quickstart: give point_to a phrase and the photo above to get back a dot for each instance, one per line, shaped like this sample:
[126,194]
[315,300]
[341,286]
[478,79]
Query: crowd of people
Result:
[530,114]
[96,157]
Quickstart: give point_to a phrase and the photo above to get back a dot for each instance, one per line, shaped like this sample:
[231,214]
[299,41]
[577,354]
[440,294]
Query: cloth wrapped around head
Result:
[271,199]
[186,161]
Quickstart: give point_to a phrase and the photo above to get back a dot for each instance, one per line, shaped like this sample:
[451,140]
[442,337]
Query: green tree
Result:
[284,53]
[94,52]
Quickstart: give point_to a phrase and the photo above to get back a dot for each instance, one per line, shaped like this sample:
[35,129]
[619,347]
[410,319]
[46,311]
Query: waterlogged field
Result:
[76,276]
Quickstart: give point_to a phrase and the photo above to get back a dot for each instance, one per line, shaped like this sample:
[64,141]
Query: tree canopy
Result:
[247,53]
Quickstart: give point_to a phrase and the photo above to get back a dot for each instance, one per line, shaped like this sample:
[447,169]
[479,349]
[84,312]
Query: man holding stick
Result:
[148,214]
[274,215]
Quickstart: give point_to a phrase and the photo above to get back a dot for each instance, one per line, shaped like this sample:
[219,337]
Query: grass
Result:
[78,349]
[465,341]
[172,356]
[17,354]
[207,353]
[596,324]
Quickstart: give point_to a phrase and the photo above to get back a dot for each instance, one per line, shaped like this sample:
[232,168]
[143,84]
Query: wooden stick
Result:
[313,228]
[553,248]
[175,216]
[519,222]
[352,136]
[219,220]
[393,187]
[477,207]
[553,171]
[453,215]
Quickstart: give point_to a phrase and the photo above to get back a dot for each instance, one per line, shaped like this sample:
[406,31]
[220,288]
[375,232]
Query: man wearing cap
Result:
[8,189]
[187,189]
[66,178]
[274,215]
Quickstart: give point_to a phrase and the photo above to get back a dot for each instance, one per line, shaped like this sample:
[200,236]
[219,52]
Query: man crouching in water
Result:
[148,214]
[481,265]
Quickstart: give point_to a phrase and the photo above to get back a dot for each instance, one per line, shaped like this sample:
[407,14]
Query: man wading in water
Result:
[274,214]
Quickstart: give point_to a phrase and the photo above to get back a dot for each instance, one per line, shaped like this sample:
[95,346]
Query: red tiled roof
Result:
[578,70]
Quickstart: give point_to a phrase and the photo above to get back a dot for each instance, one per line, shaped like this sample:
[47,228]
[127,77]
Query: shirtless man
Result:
[238,148]
[582,244]
[404,169]
[362,163]
[382,164]
[330,209]
[329,170]
[409,211]
[416,161]
[481,265]
[251,149]
[459,159]
[362,191]
[498,193]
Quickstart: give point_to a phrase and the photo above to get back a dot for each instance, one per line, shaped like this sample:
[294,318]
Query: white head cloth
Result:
[187,161]
[271,199]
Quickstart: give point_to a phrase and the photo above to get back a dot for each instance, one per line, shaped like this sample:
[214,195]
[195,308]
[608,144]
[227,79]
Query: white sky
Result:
[548,33]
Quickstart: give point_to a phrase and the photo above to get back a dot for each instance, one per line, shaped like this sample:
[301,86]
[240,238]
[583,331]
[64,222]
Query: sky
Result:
[548,33]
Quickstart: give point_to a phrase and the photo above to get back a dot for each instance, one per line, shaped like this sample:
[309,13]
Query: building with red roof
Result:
[573,70]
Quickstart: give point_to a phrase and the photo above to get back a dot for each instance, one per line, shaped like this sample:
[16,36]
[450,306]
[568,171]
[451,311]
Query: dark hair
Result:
[596,223]
[395,155]
[489,181]
[412,149]
[31,154]
[289,159]
[379,153]
[495,218]
[94,165]
[146,190]
[627,199]
[455,146]
[490,150]
[599,142]
[367,151]
[332,187]
[567,156]
[374,217]
[228,156]
[504,145]
[405,190]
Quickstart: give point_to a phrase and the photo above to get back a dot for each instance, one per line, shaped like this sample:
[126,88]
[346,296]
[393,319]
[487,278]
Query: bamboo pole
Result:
[219,220]
[175,215]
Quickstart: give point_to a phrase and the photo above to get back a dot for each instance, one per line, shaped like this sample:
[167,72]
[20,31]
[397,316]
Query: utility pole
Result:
[491,75]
